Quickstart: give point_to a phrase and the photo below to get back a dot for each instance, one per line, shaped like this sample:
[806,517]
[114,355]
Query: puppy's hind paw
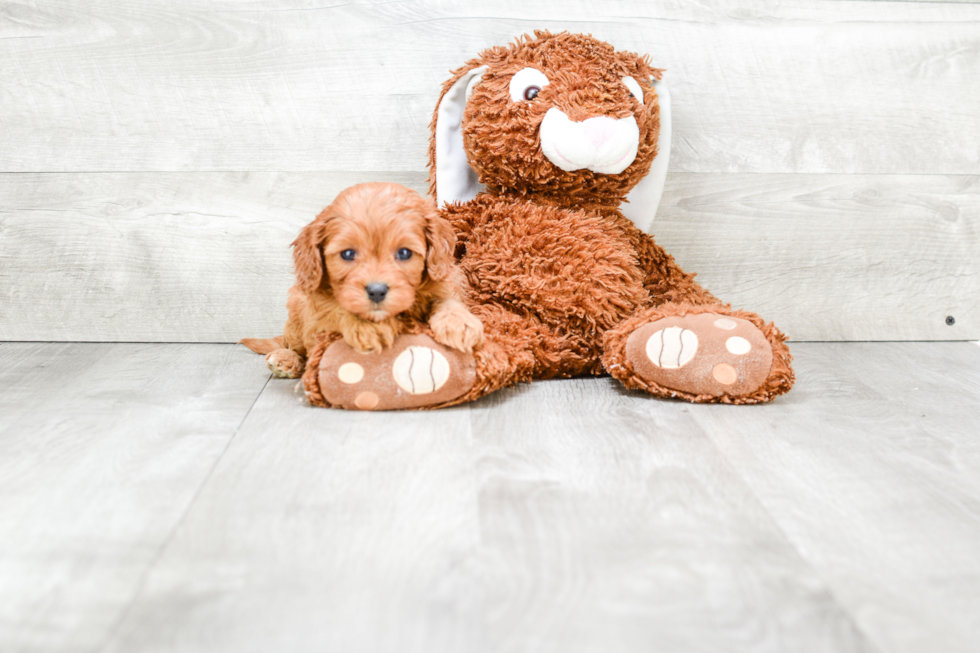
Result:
[285,363]
[457,328]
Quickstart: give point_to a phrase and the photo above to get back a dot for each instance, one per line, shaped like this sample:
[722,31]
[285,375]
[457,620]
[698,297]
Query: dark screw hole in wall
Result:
[950,320]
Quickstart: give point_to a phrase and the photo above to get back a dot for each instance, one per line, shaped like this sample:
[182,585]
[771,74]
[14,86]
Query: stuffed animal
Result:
[548,157]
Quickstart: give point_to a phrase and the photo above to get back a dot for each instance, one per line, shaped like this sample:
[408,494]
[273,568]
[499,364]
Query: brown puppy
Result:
[379,253]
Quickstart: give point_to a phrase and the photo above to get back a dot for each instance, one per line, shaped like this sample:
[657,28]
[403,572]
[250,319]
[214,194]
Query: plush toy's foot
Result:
[285,363]
[415,372]
[702,354]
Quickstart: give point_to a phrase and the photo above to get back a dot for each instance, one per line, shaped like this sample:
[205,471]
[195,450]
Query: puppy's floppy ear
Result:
[311,271]
[440,243]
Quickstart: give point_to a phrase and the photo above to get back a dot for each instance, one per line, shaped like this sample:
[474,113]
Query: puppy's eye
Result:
[531,92]
[348,254]
[403,254]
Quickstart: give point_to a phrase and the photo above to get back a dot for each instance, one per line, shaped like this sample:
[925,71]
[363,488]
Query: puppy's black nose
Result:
[376,292]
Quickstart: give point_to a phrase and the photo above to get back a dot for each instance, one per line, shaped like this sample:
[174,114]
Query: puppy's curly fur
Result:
[378,256]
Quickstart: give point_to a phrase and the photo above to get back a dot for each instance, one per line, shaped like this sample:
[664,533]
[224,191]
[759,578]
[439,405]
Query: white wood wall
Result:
[156,158]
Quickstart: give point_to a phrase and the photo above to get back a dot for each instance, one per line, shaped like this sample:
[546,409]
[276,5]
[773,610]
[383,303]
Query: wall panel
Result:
[811,87]
[205,256]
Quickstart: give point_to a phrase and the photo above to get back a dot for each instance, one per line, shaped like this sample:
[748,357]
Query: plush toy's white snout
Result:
[604,145]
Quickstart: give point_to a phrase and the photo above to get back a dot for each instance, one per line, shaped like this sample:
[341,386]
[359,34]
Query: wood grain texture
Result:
[563,516]
[834,257]
[154,257]
[871,468]
[610,522]
[809,87]
[102,449]
[323,530]
[205,256]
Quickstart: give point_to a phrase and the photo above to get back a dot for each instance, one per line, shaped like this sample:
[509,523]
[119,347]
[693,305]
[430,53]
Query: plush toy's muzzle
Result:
[604,145]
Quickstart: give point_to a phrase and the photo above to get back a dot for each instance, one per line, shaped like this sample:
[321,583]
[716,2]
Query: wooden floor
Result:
[174,498]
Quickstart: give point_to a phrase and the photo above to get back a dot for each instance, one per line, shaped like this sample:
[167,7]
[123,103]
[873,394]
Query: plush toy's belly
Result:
[569,269]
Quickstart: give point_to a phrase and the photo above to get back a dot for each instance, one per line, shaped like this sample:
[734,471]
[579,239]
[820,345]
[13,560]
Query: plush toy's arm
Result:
[464,218]
[663,278]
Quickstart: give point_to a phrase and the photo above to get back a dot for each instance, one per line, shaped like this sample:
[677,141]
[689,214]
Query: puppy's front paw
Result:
[285,363]
[368,337]
[457,328]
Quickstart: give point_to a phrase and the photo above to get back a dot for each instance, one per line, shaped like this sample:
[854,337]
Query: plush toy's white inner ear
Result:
[634,88]
[455,179]
[644,199]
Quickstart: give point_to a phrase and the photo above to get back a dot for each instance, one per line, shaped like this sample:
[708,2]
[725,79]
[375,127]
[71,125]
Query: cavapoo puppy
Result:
[378,254]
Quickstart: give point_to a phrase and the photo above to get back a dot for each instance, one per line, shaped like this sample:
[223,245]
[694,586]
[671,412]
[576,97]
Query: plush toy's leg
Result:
[702,353]
[418,372]
[415,372]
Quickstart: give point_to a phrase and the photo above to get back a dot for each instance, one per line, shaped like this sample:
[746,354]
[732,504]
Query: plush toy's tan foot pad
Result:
[414,372]
[706,354]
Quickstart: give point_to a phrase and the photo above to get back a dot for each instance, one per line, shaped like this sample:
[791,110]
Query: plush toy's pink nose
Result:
[598,130]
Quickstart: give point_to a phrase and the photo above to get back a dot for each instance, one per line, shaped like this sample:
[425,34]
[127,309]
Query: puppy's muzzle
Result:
[376,292]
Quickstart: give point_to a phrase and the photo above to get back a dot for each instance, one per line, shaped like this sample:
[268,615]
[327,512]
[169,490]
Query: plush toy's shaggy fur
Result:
[559,277]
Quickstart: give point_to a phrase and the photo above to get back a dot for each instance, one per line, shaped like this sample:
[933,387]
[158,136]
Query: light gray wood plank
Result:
[834,257]
[566,515]
[935,385]
[812,87]
[205,256]
[323,530]
[609,521]
[877,490]
[155,257]
[569,517]
[102,449]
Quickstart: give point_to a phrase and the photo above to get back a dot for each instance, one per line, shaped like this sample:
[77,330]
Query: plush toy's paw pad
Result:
[285,363]
[705,354]
[414,372]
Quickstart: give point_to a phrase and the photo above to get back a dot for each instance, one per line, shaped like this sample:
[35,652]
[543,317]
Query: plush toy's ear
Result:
[453,178]
[644,199]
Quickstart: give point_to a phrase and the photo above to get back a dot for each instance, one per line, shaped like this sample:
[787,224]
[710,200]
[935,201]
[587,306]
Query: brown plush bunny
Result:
[535,146]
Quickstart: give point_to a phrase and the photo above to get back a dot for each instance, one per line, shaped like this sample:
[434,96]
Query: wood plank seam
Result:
[138,589]
[828,586]
[909,416]
[806,251]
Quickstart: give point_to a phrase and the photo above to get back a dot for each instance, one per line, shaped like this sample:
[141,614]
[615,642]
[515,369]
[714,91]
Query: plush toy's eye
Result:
[403,254]
[634,88]
[526,84]
[348,254]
